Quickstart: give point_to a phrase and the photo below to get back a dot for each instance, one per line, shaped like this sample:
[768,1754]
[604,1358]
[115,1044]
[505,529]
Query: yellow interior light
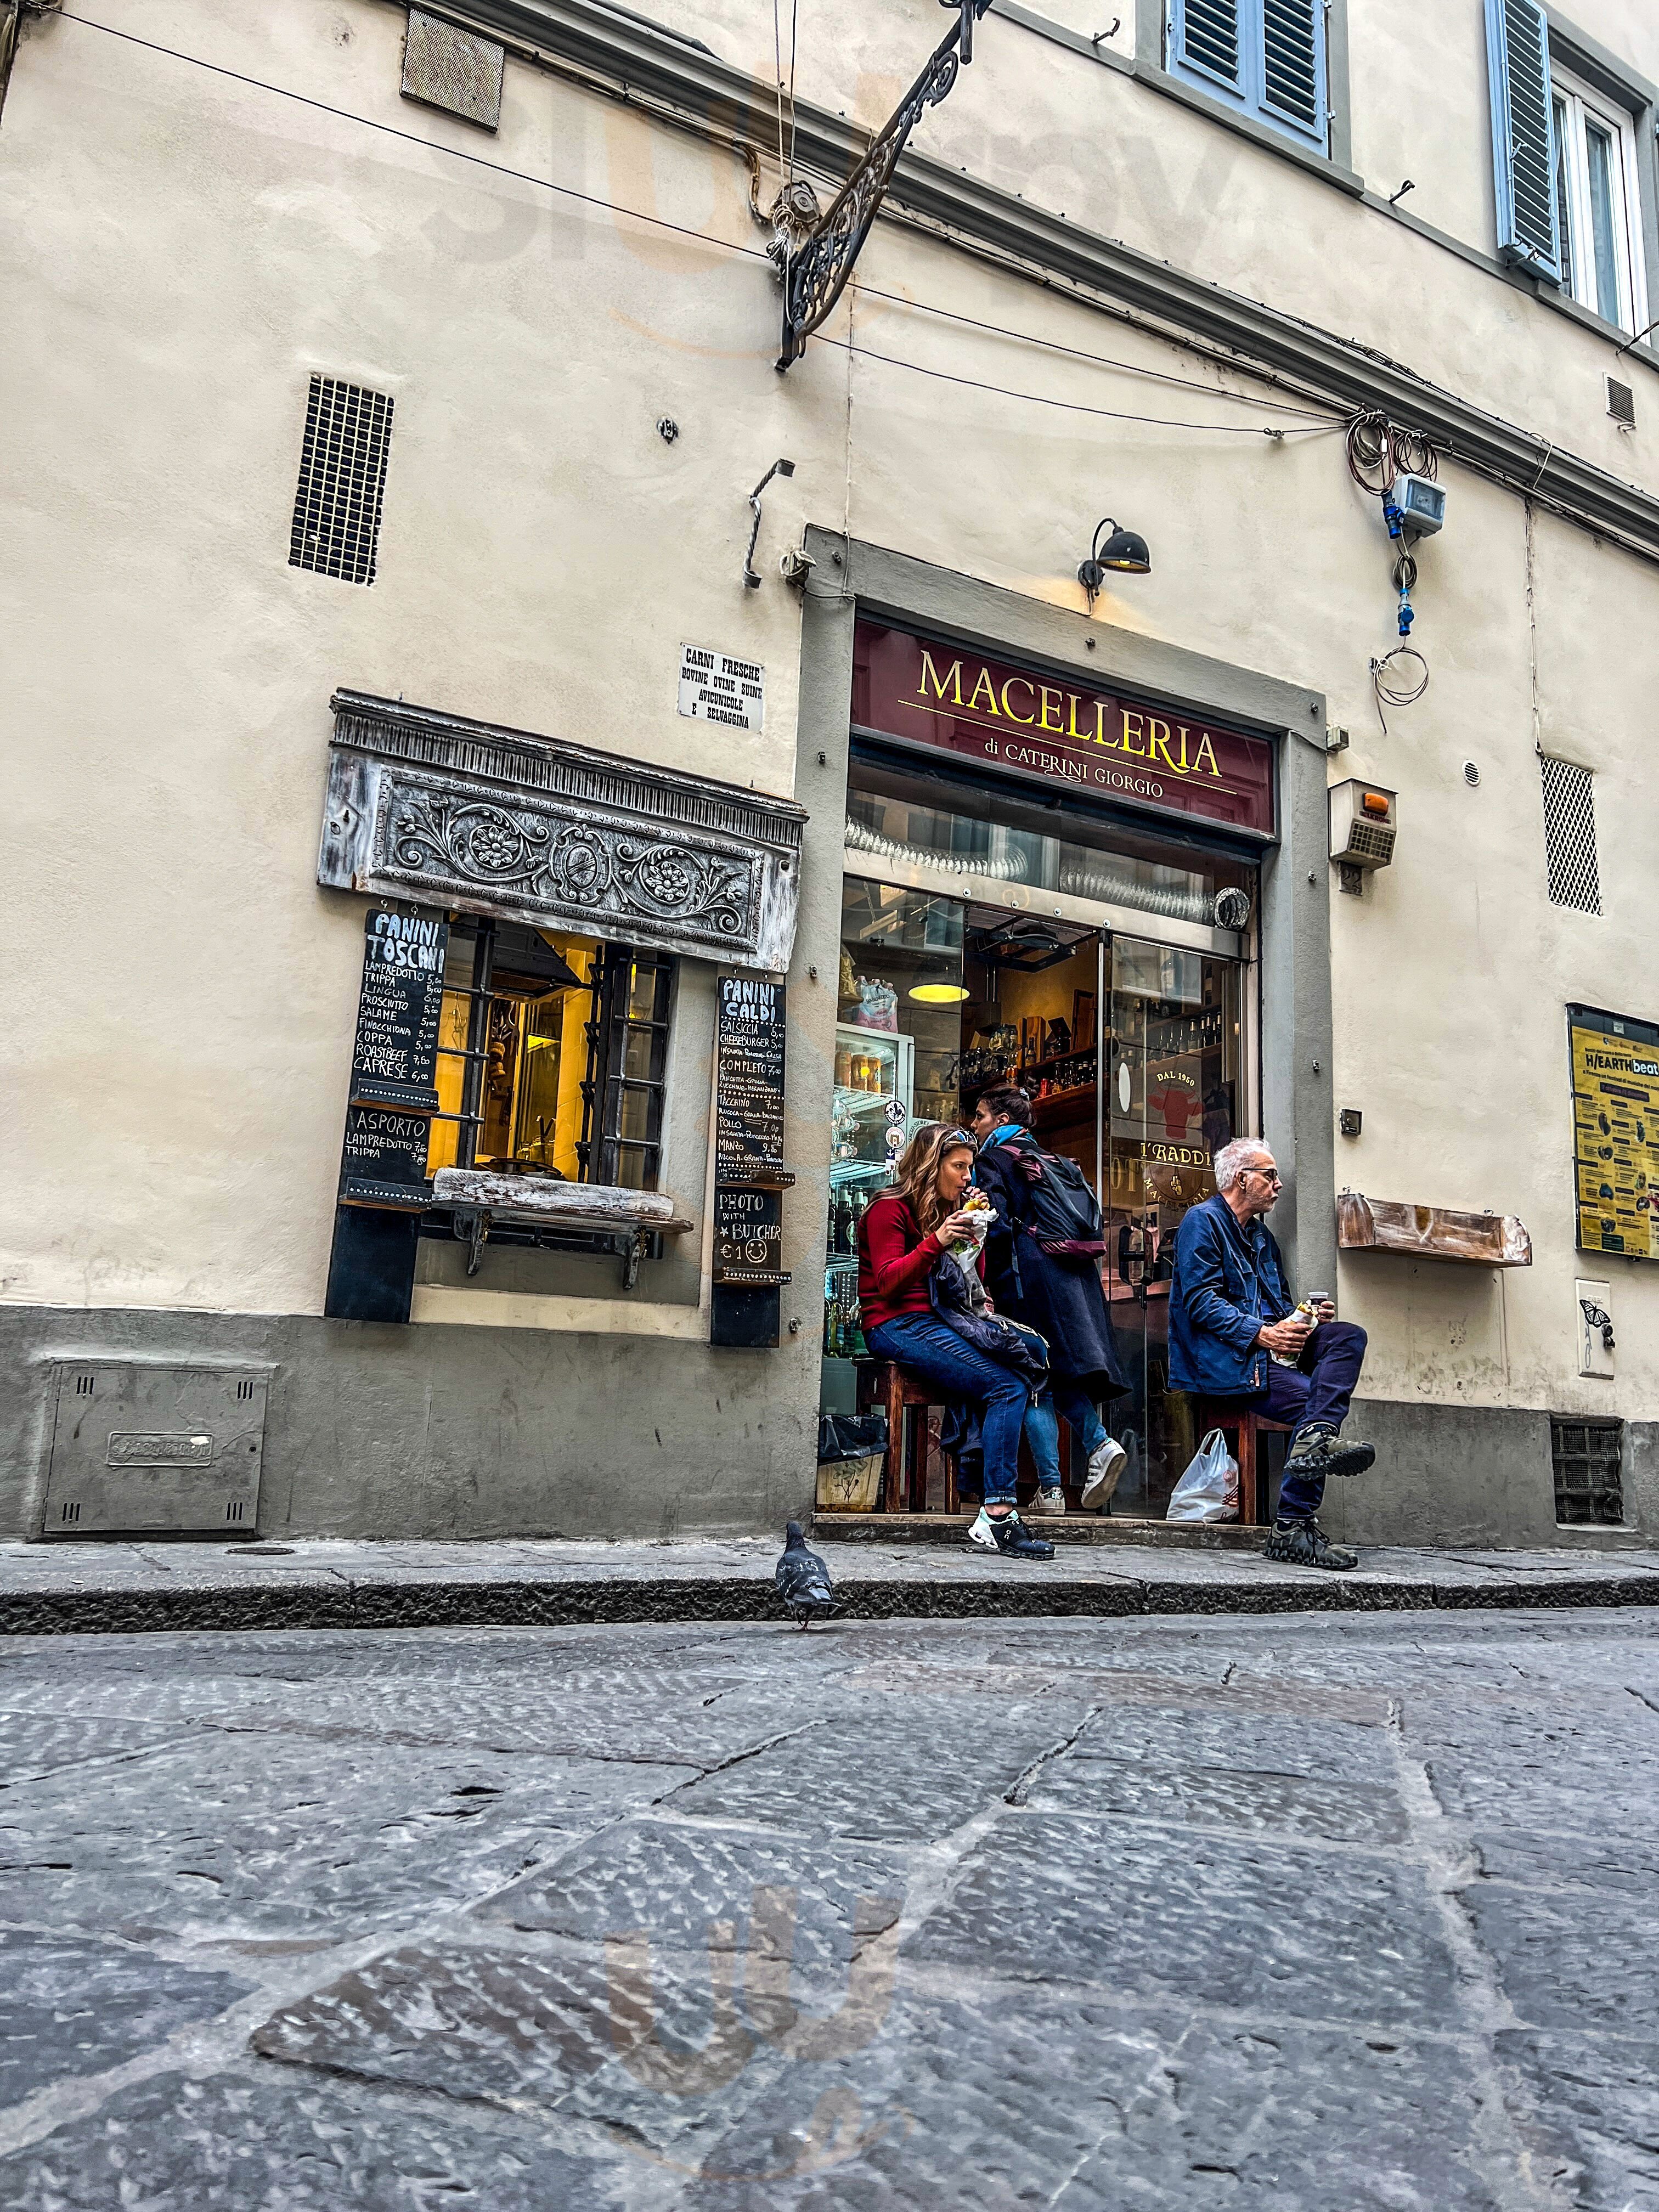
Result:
[938,994]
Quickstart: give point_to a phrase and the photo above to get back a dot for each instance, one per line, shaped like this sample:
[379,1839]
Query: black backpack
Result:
[1063,1212]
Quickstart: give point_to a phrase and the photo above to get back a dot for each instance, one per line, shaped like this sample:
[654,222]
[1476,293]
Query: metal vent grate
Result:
[1570,835]
[1586,1456]
[1621,403]
[336,508]
[85,1385]
[244,1388]
[455,69]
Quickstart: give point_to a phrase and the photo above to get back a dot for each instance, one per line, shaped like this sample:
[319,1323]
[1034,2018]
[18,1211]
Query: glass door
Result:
[1170,1046]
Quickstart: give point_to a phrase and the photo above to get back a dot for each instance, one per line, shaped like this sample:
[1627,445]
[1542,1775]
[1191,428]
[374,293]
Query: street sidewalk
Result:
[126,1587]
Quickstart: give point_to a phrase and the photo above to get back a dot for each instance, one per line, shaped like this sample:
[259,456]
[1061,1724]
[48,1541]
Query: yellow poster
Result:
[1616,1115]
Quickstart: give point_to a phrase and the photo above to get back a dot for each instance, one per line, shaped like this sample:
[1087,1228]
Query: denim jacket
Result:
[1227,1282]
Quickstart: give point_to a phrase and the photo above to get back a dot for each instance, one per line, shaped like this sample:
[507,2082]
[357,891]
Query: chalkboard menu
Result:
[394,1065]
[748,1235]
[749,1098]
[394,1059]
[749,1170]
[383,1159]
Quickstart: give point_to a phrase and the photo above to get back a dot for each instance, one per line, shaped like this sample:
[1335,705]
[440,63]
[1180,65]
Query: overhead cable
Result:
[1081,407]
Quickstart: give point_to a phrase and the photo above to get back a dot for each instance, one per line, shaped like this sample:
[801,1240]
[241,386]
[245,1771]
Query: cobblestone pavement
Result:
[1344,1911]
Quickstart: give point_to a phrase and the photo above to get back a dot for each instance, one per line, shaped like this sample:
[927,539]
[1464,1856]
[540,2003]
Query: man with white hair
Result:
[1231,1314]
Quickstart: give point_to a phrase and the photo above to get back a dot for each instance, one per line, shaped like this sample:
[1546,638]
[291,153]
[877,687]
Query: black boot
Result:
[1302,1544]
[1315,1453]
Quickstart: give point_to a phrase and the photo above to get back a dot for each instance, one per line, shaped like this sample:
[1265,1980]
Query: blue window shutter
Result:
[1522,135]
[1207,38]
[1293,64]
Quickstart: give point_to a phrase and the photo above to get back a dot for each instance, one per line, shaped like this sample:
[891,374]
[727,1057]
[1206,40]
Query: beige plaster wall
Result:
[183,251]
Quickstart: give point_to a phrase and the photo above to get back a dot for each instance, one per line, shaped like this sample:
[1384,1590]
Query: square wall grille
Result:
[1588,1490]
[336,508]
[455,69]
[1570,835]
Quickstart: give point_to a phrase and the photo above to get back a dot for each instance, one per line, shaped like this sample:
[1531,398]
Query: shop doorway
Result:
[1131,1051]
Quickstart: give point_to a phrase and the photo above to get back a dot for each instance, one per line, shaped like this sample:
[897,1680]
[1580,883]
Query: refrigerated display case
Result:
[870,1125]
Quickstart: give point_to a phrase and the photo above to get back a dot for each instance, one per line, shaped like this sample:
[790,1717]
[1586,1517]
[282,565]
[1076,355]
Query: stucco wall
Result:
[181,252]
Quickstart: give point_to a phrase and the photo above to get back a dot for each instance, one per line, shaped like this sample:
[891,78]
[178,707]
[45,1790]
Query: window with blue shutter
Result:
[1523,135]
[1265,57]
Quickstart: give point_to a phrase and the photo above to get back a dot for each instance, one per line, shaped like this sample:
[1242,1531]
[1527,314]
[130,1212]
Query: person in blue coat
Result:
[1060,1298]
[1232,1325]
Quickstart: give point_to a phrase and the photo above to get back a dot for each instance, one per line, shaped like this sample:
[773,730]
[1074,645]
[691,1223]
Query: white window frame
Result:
[1575,105]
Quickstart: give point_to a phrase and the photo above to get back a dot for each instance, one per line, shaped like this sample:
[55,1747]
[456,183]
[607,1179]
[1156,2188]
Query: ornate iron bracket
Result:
[814,277]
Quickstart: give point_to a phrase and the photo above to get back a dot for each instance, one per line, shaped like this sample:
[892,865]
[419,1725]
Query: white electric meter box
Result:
[1422,504]
[1363,824]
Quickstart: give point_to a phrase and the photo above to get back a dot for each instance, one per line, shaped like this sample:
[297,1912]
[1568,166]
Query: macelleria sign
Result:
[923,692]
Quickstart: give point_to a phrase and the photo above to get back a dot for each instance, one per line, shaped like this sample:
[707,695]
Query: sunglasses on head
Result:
[957,1137]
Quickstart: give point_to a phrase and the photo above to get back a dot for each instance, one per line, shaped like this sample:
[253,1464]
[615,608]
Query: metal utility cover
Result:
[455,69]
[137,1449]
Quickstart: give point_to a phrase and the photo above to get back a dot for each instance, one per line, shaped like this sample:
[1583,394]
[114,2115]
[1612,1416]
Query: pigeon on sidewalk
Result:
[802,1581]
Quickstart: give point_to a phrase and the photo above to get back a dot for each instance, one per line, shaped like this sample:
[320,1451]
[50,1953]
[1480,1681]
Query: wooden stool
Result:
[1243,1426]
[904,1487]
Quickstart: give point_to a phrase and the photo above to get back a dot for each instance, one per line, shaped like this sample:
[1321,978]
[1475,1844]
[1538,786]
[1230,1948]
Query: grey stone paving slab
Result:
[1572,1959]
[542,2026]
[1223,1729]
[875,1773]
[72,2006]
[1216,1797]
[251,2143]
[1569,1764]
[1152,1911]
[979,2101]
[259,1834]
[682,1881]
[1587,2109]
[36,1743]
[1577,1861]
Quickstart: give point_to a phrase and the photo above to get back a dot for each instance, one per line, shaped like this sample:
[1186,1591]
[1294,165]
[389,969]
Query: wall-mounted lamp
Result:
[778,469]
[1124,553]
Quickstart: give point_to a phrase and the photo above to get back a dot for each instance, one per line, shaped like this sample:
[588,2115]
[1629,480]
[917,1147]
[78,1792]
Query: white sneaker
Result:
[1106,1463]
[1049,1501]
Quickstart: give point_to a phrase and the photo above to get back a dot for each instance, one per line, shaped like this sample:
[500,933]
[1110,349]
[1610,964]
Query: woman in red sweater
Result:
[902,1239]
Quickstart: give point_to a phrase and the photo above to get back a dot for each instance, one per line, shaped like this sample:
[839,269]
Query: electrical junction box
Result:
[1363,824]
[1595,1338]
[1422,504]
[137,1449]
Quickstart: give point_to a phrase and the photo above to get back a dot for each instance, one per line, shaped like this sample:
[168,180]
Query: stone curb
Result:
[619,1601]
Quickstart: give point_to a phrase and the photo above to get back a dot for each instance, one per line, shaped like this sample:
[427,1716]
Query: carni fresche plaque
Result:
[1615,1127]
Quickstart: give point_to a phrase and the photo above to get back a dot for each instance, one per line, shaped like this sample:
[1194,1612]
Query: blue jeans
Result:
[1316,1391]
[923,1344]
[1042,1427]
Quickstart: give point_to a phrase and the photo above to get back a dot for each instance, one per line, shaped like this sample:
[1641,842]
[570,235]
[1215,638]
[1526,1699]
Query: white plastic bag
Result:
[1209,1489]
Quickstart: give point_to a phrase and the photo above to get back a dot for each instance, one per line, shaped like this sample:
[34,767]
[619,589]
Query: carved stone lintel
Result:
[427,807]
